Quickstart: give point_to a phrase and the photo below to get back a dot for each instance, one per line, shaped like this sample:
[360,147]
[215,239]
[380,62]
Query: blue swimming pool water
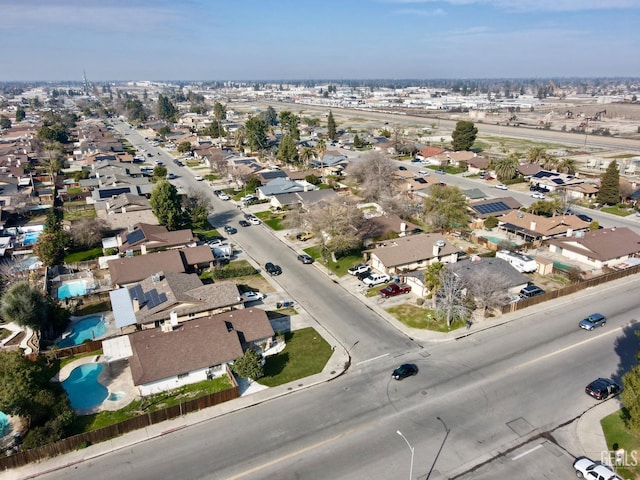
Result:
[5,427]
[72,288]
[30,238]
[88,328]
[498,240]
[83,388]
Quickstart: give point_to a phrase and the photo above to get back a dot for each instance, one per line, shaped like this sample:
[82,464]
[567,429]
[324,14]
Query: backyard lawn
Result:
[306,354]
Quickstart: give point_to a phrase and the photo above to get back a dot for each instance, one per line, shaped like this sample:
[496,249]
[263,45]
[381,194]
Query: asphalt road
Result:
[473,398]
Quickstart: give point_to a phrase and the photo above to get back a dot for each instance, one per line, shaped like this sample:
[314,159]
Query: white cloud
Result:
[533,5]
[420,13]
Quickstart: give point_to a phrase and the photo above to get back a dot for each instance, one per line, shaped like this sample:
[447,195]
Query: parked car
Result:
[304,236]
[178,162]
[587,468]
[376,279]
[531,291]
[157,162]
[405,370]
[223,196]
[592,321]
[252,296]
[538,195]
[489,178]
[249,198]
[272,269]
[362,275]
[306,259]
[170,176]
[254,220]
[502,186]
[584,218]
[402,167]
[424,172]
[415,160]
[440,171]
[601,388]
[394,289]
[198,178]
[230,230]
[359,268]
[244,223]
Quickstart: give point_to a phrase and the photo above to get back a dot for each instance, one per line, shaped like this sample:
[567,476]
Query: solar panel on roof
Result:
[557,181]
[152,298]
[162,297]
[135,236]
[486,208]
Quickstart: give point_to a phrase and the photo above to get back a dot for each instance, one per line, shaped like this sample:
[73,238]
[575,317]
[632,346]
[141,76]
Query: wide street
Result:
[473,399]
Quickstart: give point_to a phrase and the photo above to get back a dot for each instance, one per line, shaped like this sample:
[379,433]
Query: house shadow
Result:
[279,322]
[218,220]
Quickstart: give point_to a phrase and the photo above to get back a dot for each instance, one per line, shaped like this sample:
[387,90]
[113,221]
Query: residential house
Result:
[426,153]
[302,200]
[386,226]
[412,252]
[280,186]
[494,270]
[128,270]
[146,237]
[477,165]
[491,207]
[554,181]
[176,296]
[125,209]
[607,247]
[537,228]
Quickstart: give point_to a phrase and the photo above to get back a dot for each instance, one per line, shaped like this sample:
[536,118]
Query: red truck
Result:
[394,289]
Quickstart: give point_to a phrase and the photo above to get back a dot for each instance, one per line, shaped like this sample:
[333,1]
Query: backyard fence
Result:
[568,290]
[105,433]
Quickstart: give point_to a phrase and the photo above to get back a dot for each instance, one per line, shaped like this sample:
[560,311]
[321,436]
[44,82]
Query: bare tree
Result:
[450,302]
[375,175]
[487,287]
[219,162]
[88,232]
[337,225]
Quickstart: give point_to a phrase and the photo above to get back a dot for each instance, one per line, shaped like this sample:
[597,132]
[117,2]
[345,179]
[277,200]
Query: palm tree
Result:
[506,167]
[567,165]
[239,136]
[306,155]
[536,155]
[549,162]
[321,148]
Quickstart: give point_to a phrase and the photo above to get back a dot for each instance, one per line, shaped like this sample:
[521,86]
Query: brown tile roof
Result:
[198,255]
[411,249]
[427,152]
[545,226]
[528,169]
[510,204]
[155,237]
[252,324]
[377,226]
[604,244]
[128,270]
[192,346]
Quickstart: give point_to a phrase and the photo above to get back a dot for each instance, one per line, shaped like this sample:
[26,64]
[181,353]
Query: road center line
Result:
[372,359]
[531,450]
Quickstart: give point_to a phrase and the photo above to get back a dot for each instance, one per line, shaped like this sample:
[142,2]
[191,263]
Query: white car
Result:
[376,279]
[538,195]
[423,172]
[248,198]
[502,186]
[587,468]
[359,268]
[252,296]
[224,196]
[198,178]
[254,220]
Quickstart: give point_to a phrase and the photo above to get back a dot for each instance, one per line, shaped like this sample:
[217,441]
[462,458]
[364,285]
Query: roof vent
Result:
[440,243]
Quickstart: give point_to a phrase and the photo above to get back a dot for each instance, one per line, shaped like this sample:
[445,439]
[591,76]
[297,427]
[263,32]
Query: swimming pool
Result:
[30,238]
[5,426]
[499,240]
[88,328]
[72,288]
[83,388]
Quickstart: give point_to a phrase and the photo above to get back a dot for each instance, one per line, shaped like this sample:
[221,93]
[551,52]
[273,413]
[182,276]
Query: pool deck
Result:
[115,376]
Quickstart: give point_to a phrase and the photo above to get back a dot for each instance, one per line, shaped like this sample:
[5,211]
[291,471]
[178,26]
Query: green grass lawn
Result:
[83,255]
[306,354]
[616,210]
[87,423]
[415,316]
[615,431]
[338,268]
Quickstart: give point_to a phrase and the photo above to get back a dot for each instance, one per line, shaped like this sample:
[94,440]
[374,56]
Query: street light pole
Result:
[412,451]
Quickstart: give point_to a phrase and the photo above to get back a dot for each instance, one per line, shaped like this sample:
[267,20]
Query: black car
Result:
[405,370]
[602,388]
[272,269]
[230,230]
[531,291]
[306,259]
[402,168]
[244,223]
[362,275]
[584,218]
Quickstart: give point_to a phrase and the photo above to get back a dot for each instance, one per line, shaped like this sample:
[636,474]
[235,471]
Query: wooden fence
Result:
[100,435]
[568,290]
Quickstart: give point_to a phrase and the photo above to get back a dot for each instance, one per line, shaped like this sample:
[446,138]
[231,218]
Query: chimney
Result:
[533,226]
[569,232]
[403,227]
[437,246]
[173,318]
[136,305]
[143,249]
[124,209]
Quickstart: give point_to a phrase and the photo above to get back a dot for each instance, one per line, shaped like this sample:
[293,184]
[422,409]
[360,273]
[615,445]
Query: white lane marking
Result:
[531,450]
[372,359]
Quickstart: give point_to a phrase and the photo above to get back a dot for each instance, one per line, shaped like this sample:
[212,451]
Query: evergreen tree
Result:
[256,133]
[464,135]
[609,193]
[446,207]
[166,110]
[165,204]
[287,151]
[331,127]
[20,114]
[289,123]
[24,305]
[249,365]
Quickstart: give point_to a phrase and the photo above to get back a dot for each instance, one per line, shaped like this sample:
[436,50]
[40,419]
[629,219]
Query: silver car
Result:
[592,321]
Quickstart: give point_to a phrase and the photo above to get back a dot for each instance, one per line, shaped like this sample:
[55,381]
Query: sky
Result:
[54,40]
